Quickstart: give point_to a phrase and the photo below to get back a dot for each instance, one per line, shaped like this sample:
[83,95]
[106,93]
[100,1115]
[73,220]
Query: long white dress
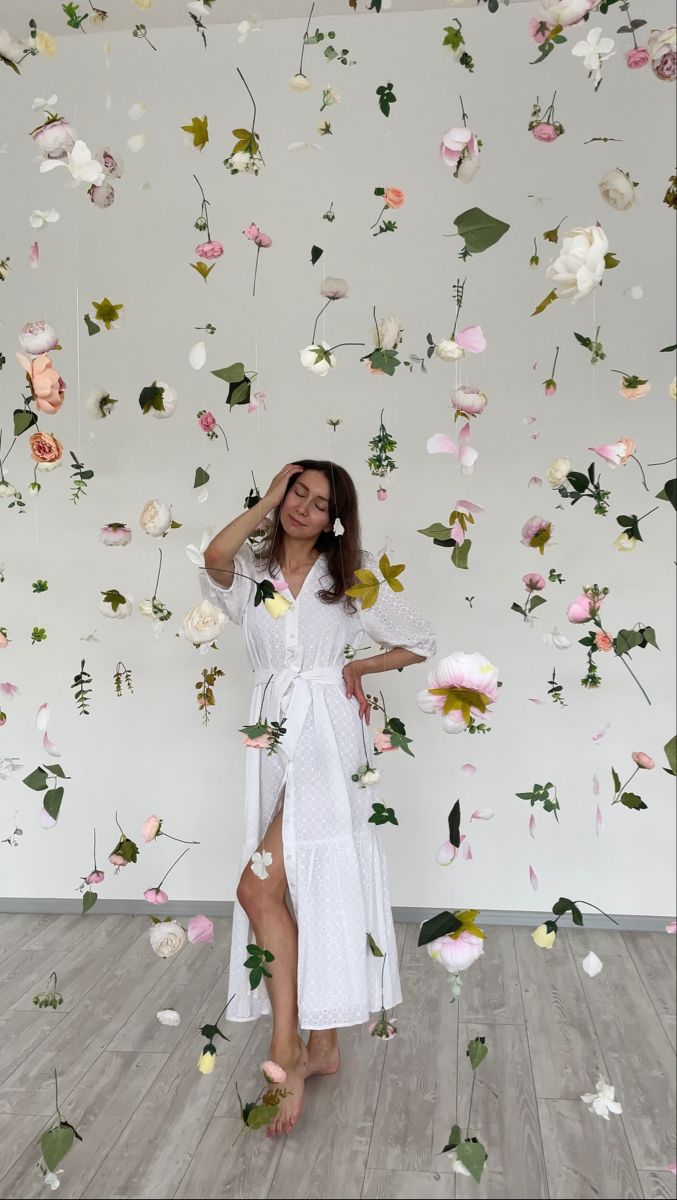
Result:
[334,858]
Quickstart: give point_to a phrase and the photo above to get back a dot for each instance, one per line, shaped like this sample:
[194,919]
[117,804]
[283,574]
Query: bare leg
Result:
[275,930]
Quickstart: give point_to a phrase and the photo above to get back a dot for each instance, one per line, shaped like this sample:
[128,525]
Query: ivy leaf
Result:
[367,589]
[477,1051]
[438,926]
[479,230]
[459,554]
[56,1143]
[89,900]
[261,1114]
[202,268]
[390,573]
[199,130]
[52,802]
[23,420]
[232,374]
[36,780]
[561,906]
[473,1156]
[630,800]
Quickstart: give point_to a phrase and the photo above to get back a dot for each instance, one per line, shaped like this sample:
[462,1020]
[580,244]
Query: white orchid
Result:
[602,1101]
[83,167]
[594,50]
[260,861]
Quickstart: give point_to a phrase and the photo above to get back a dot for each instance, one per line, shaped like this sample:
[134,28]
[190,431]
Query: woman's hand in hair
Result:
[278,487]
[352,676]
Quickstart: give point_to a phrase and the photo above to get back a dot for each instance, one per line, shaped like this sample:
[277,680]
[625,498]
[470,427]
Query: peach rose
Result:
[46,450]
[603,641]
[393,198]
[47,386]
[634,393]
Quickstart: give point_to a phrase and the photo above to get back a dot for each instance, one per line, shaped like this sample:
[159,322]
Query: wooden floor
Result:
[153,1126]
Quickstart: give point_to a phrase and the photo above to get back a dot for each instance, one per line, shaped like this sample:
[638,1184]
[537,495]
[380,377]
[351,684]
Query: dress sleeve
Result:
[392,622]
[232,600]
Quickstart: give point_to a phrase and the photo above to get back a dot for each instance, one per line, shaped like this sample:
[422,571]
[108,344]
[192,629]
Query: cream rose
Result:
[558,471]
[449,350]
[167,938]
[579,266]
[300,83]
[203,624]
[618,190]
[156,518]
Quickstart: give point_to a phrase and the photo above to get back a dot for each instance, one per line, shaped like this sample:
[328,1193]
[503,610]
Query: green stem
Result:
[629,668]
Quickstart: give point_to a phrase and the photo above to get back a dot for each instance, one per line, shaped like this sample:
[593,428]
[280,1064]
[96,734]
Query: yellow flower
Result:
[277,605]
[625,542]
[545,937]
[207,1062]
[142,3]
[45,44]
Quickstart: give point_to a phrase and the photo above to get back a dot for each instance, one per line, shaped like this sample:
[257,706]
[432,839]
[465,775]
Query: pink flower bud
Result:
[643,760]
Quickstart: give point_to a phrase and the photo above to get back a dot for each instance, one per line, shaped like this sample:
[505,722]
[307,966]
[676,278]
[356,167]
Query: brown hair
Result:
[344,553]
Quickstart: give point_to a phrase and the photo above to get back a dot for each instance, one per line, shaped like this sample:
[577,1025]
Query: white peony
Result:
[40,217]
[449,350]
[168,400]
[564,12]
[156,518]
[167,938]
[38,337]
[203,624]
[558,471]
[579,266]
[300,83]
[317,364]
[241,161]
[123,610]
[7,489]
[618,190]
[559,640]
[389,333]
[99,404]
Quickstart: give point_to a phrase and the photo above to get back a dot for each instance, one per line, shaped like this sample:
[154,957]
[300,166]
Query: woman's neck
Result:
[296,561]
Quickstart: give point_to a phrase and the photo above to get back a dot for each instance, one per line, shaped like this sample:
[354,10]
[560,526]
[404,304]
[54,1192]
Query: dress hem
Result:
[337,1025]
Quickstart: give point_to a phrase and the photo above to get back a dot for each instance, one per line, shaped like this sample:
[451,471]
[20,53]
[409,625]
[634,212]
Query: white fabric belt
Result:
[289,694]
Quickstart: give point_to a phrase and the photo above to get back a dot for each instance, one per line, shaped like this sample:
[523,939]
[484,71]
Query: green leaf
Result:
[578,481]
[255,977]
[436,530]
[37,780]
[671,755]
[459,554]
[57,769]
[650,636]
[551,296]
[536,600]
[261,1114]
[617,779]
[201,477]
[52,802]
[232,374]
[561,906]
[473,1156]
[316,252]
[626,639]
[92,326]
[55,1144]
[438,926]
[151,398]
[479,230]
[630,800]
[23,421]
[373,947]
[454,822]
[88,901]
[199,128]
[477,1051]
[669,492]
[576,915]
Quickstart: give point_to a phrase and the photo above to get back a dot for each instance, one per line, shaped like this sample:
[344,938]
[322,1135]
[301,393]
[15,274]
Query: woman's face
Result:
[305,509]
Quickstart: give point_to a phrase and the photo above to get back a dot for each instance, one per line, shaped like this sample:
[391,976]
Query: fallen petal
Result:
[592,965]
[468,768]
[533,879]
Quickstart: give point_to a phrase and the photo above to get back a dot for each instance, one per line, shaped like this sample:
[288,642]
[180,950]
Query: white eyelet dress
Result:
[334,859]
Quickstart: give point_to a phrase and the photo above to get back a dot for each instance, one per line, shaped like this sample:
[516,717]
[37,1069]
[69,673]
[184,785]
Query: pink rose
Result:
[581,609]
[643,760]
[381,494]
[603,641]
[536,532]
[538,29]
[393,197]
[544,132]
[4,641]
[382,742]
[200,929]
[634,393]
[637,56]
[550,387]
[533,582]
[273,1072]
[207,422]
[263,742]
[151,828]
[116,860]
[255,235]
[102,194]
[155,896]
[615,453]
[209,250]
[94,877]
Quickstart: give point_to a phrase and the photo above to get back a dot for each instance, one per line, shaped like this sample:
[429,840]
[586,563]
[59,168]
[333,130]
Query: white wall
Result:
[149,751]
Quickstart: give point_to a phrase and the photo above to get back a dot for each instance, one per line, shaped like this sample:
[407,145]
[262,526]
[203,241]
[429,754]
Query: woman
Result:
[302,805]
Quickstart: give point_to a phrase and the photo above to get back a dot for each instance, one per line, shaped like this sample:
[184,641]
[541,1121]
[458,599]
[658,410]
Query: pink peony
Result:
[456,953]
[102,194]
[254,234]
[115,534]
[536,532]
[155,896]
[200,929]
[382,742]
[545,132]
[538,29]
[581,609]
[634,393]
[273,1072]
[533,582]
[603,640]
[461,685]
[468,401]
[663,53]
[207,422]
[209,250]
[151,828]
[381,494]
[37,337]
[47,386]
[263,742]
[643,760]
[94,877]
[637,56]
[615,453]
[457,141]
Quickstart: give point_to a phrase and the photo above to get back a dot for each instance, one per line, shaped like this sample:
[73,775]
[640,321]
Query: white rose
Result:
[618,190]
[449,350]
[167,938]
[146,608]
[168,1016]
[99,403]
[468,168]
[309,359]
[558,471]
[49,466]
[203,623]
[6,489]
[369,777]
[564,12]
[123,610]
[168,400]
[241,161]
[38,337]
[156,518]
[300,83]
[12,48]
[389,334]
[579,266]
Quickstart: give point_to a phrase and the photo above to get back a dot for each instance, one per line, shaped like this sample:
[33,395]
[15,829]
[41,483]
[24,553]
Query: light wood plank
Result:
[670,1026]
[15,1133]
[220,1169]
[658,1185]
[655,957]
[418,1087]
[585,1155]
[156,1149]
[76,1043]
[79,968]
[406,1185]
[21,1032]
[491,990]
[18,929]
[562,1037]
[504,1114]
[99,1107]
[636,1049]
[326,1153]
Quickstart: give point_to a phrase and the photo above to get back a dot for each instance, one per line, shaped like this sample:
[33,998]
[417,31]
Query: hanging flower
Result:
[84,168]
[579,266]
[536,532]
[468,401]
[47,387]
[662,47]
[618,189]
[594,50]
[317,358]
[460,687]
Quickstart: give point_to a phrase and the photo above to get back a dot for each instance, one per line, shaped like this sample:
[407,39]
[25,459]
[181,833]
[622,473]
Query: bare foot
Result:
[291,1106]
[324,1057]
